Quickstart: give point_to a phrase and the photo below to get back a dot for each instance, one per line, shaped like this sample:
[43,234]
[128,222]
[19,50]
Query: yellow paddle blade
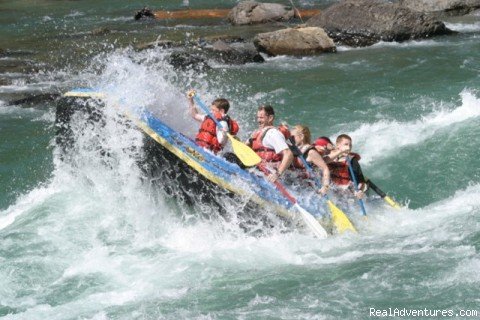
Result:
[391,202]
[340,219]
[248,157]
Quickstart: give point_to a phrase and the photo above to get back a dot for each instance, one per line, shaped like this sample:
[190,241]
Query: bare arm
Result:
[287,158]
[316,158]
[335,153]
[194,111]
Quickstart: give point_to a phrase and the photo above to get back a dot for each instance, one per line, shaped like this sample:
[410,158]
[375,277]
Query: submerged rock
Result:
[442,7]
[252,12]
[365,22]
[295,41]
[101,31]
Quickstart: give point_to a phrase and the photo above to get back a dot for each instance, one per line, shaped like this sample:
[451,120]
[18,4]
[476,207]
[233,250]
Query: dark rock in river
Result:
[295,41]
[252,12]
[144,13]
[35,99]
[442,7]
[185,60]
[233,53]
[365,22]
[158,43]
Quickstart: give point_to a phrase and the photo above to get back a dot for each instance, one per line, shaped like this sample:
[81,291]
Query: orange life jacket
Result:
[339,172]
[207,134]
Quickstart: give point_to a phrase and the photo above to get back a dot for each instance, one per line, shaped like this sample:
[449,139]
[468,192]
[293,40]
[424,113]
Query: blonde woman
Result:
[302,138]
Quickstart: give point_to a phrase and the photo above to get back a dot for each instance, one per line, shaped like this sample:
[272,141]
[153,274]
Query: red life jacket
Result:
[207,134]
[283,128]
[267,154]
[339,172]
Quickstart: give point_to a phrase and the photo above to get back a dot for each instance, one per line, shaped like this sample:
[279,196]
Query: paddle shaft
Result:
[383,195]
[279,186]
[377,190]
[355,185]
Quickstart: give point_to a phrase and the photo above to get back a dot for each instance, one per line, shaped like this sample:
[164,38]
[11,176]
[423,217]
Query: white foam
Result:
[74,14]
[25,204]
[383,138]
[464,27]
[394,44]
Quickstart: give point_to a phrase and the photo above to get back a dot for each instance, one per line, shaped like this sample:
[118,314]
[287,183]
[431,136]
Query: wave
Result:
[384,138]
[464,27]
[394,44]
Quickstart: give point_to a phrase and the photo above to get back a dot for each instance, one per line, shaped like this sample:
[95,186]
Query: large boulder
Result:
[252,12]
[442,7]
[365,22]
[294,41]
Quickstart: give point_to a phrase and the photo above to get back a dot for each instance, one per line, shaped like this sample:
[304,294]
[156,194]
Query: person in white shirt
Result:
[270,144]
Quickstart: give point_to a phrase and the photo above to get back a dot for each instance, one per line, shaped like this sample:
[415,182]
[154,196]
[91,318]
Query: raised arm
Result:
[192,108]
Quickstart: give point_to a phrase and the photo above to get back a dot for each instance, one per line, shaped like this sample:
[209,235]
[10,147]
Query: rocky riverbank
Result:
[348,22]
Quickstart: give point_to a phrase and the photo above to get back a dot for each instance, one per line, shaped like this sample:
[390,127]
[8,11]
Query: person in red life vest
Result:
[323,145]
[209,136]
[338,165]
[270,144]
[302,138]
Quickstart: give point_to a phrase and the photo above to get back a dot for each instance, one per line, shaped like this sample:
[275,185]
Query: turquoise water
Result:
[93,242]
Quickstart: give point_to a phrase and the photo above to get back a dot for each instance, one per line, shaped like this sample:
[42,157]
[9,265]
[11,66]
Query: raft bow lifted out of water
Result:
[190,172]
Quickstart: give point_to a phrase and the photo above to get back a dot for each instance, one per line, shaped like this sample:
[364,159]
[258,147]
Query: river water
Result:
[95,243]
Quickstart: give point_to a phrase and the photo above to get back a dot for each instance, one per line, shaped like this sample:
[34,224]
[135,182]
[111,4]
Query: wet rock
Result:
[442,7]
[101,31]
[295,41]
[365,22]
[35,99]
[223,37]
[155,44]
[251,12]
[234,53]
[185,60]
[144,13]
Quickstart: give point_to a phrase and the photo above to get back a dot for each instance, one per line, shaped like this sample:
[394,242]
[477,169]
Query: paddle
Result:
[355,185]
[246,155]
[307,217]
[339,218]
[383,195]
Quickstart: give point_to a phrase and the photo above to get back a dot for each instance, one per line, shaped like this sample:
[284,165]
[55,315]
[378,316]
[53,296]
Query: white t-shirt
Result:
[274,139]
[221,135]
